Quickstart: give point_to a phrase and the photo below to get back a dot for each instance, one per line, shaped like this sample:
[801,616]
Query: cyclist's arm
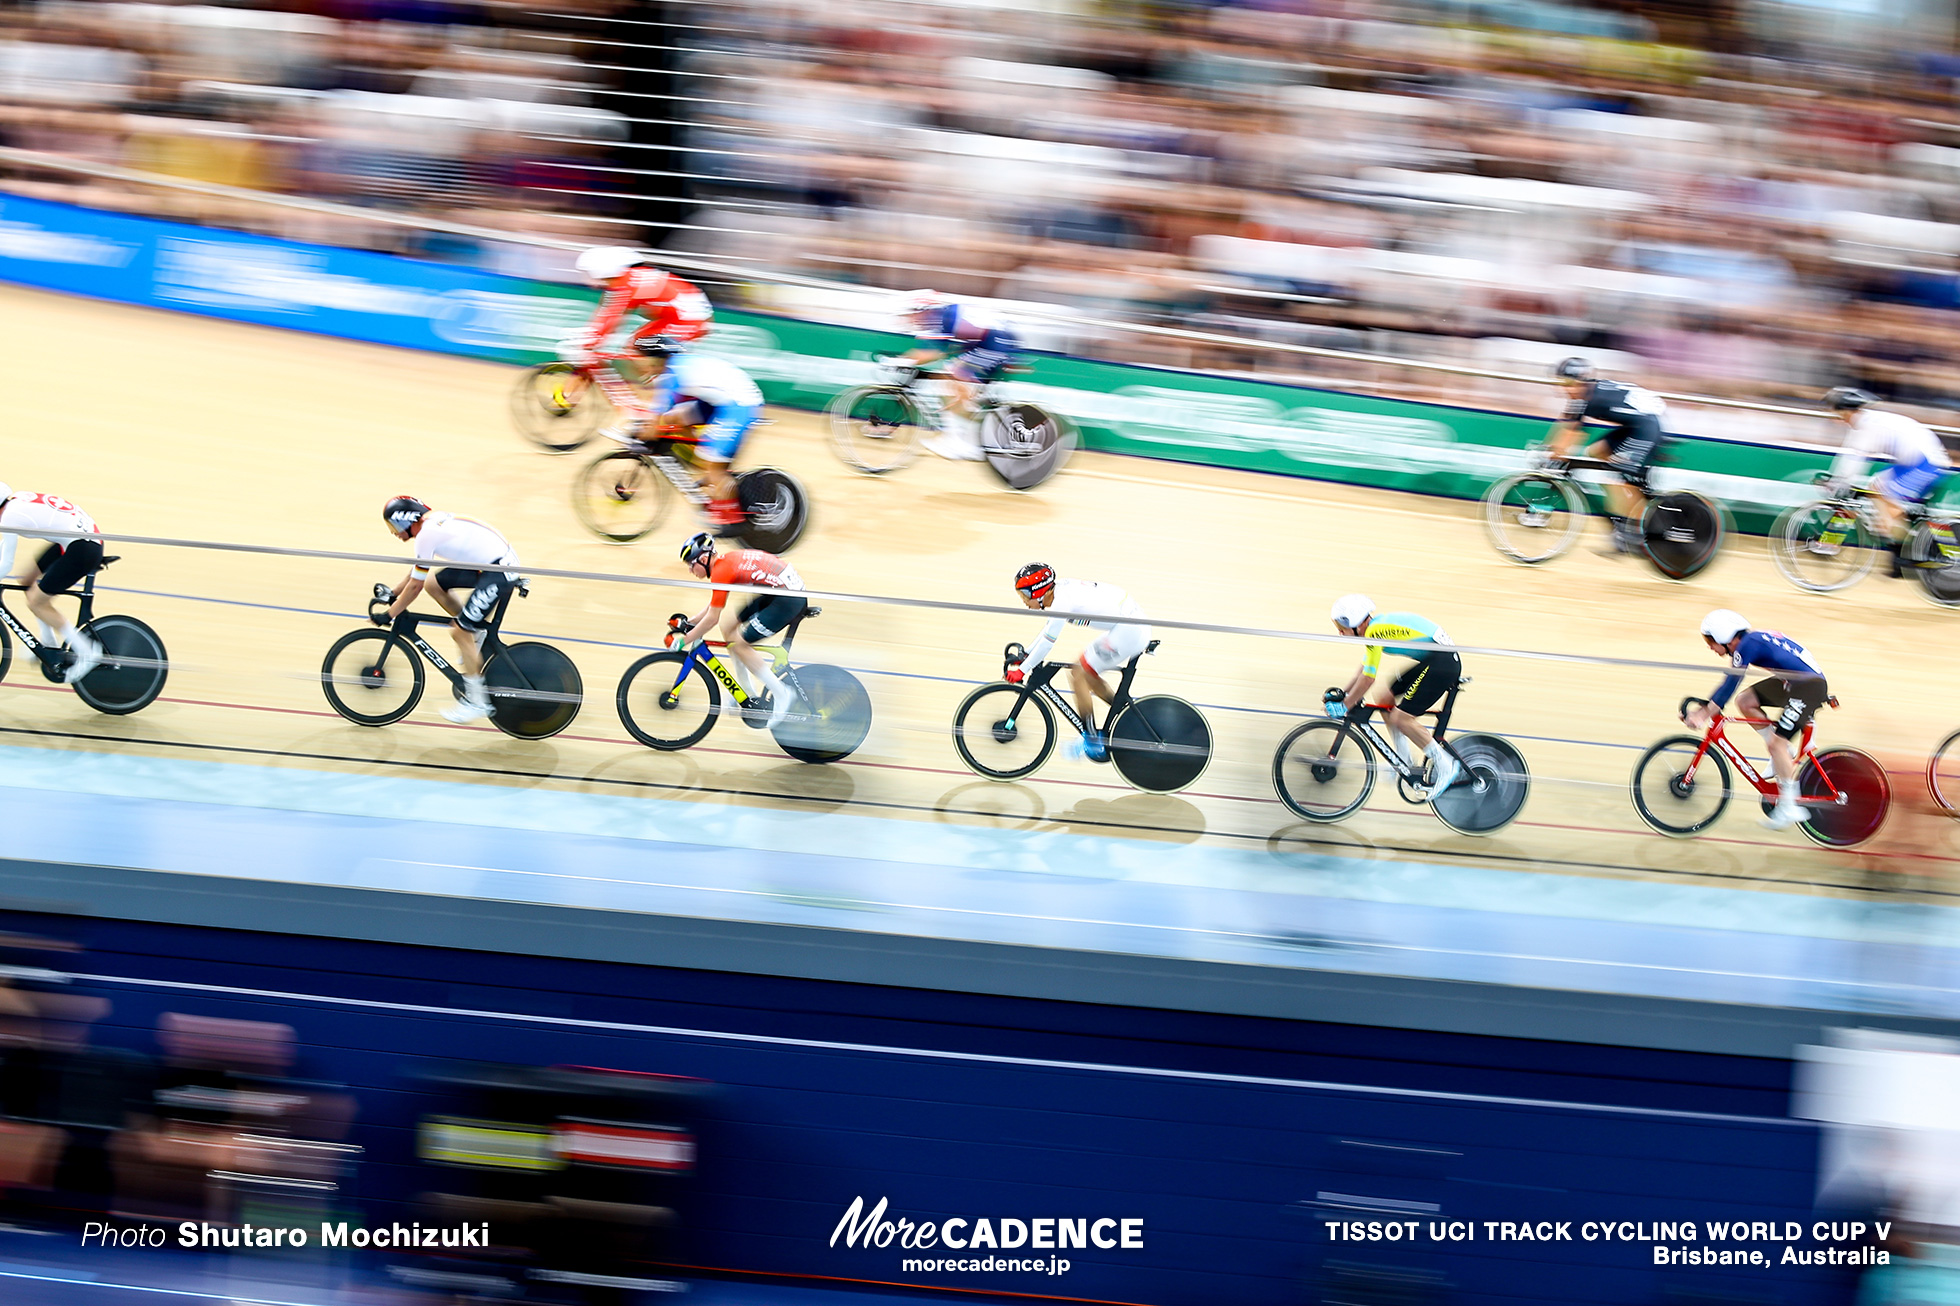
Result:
[406,592]
[1050,633]
[1850,463]
[920,355]
[612,307]
[1564,437]
[8,543]
[1371,667]
[1720,698]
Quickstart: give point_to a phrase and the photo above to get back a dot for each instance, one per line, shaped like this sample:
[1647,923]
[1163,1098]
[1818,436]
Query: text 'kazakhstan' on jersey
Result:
[1400,634]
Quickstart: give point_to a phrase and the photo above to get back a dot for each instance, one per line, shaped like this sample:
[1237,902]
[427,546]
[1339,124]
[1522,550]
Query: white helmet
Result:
[602,263]
[914,302]
[1723,625]
[1352,611]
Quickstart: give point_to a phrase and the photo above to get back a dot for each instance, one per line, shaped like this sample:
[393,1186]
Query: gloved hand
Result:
[572,350]
[1836,488]
[1015,675]
[381,618]
[897,371]
[1334,703]
[1337,709]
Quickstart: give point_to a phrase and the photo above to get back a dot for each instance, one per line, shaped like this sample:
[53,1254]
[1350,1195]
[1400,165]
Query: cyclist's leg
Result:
[764,617]
[1109,651]
[718,444]
[470,613]
[1632,457]
[1900,487]
[59,568]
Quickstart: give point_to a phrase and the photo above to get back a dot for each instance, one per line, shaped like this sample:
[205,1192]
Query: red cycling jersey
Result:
[673,308]
[751,567]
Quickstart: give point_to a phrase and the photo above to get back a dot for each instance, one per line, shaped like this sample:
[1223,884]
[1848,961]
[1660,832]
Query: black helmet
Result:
[403,511]
[658,347]
[1845,398]
[1574,369]
[699,545]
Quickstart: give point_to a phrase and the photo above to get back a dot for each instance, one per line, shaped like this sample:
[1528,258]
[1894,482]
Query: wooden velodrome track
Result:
[182,427]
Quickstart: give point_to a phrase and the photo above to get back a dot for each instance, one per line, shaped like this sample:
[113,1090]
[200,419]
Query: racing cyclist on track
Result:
[1436,670]
[486,572]
[61,565]
[674,309]
[691,391]
[1630,445]
[1793,690]
[1919,461]
[1087,603]
[981,345]
[762,616]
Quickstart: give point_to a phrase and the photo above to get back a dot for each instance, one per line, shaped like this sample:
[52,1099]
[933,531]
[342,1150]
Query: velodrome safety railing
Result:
[737,274]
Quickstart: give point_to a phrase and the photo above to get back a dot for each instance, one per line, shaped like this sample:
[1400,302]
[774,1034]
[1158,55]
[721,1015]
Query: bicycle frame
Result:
[408,624]
[52,658]
[703,654]
[1042,681]
[1717,738]
[1363,719]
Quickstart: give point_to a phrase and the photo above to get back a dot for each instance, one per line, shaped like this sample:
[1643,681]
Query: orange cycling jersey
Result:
[751,567]
[673,308]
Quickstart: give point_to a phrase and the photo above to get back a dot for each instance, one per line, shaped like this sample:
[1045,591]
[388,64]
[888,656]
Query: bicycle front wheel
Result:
[1492,789]
[1822,546]
[535,688]
[1942,773]
[1160,744]
[830,718]
[1863,797]
[1672,800]
[132,670]
[1324,772]
[621,496]
[557,407]
[1681,533]
[999,735]
[664,709]
[875,428]
[1533,517]
[372,677]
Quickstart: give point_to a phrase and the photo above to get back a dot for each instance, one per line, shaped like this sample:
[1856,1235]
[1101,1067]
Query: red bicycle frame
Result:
[1718,739]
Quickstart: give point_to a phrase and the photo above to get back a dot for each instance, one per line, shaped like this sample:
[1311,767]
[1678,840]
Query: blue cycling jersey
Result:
[1768,650]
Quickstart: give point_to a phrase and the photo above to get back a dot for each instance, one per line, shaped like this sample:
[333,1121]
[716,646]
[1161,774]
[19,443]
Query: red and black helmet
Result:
[1036,579]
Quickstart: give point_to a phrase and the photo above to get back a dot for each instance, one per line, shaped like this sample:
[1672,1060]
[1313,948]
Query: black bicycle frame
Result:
[1041,681]
[1362,718]
[53,658]
[406,625]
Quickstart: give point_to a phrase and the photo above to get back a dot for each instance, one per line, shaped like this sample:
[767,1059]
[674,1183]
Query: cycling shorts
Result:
[1911,482]
[987,359]
[1792,703]
[1423,685]
[485,587]
[64,563]
[1114,648]
[725,427]
[770,614]
[1631,450]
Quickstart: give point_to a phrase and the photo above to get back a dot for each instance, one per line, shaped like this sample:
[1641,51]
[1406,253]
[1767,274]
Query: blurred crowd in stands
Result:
[1708,198]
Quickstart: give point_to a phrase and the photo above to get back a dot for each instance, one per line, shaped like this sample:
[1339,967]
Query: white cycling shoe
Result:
[785,699]
[626,435]
[1784,815]
[88,656]
[467,709]
[953,448]
[1444,769]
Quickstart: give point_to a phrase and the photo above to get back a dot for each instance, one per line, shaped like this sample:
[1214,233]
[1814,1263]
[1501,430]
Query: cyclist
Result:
[981,345]
[1435,670]
[61,565]
[1919,460]
[761,617]
[1630,445]
[1087,603]
[1793,689]
[691,391]
[486,572]
[673,308]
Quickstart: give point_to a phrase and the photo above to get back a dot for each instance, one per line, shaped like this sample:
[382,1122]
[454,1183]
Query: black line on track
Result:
[1345,846]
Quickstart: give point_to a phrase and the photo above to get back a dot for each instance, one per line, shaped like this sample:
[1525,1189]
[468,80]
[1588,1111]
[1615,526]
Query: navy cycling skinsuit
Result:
[1633,416]
[1793,690]
[984,343]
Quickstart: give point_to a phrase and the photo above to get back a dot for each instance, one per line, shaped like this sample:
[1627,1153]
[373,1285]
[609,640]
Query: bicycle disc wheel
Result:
[1024,445]
[830,718]
[1491,791]
[1533,517]
[372,677]
[997,746]
[1671,802]
[1822,546]
[1942,772]
[1681,533]
[132,670]
[1934,564]
[875,428]
[662,710]
[621,496]
[6,652]
[1862,785]
[557,407]
[776,508]
[1322,775]
[535,689]
[1160,744]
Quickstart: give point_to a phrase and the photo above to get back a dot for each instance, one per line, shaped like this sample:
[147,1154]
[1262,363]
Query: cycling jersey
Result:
[730,402]
[449,537]
[1919,460]
[38,512]
[673,308]
[1767,650]
[1628,409]
[751,567]
[984,342]
[1400,634]
[1095,605]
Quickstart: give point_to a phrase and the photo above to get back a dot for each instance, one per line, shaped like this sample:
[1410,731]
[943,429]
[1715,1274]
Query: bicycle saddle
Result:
[1152,648]
[114,557]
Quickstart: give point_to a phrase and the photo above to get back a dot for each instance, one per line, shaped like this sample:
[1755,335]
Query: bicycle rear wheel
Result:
[535,688]
[1533,517]
[1862,785]
[875,428]
[1025,445]
[1491,791]
[1681,533]
[6,652]
[621,496]
[999,746]
[830,718]
[372,677]
[1942,772]
[1933,560]
[1668,799]
[776,508]
[661,708]
[1160,744]
[132,670]
[557,407]
[1822,546]
[1321,773]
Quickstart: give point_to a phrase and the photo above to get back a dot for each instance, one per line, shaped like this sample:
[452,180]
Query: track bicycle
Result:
[374,676]
[1681,783]
[1325,769]
[1159,743]
[1534,516]
[672,698]
[626,493]
[133,667]
[1832,543]
[876,429]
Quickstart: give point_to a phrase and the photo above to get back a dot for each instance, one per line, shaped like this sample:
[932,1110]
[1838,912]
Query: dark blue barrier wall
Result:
[963,1105]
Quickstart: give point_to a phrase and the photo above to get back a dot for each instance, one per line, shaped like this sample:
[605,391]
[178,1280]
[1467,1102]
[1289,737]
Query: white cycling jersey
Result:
[449,537]
[37,512]
[714,381]
[1877,434]
[1092,604]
